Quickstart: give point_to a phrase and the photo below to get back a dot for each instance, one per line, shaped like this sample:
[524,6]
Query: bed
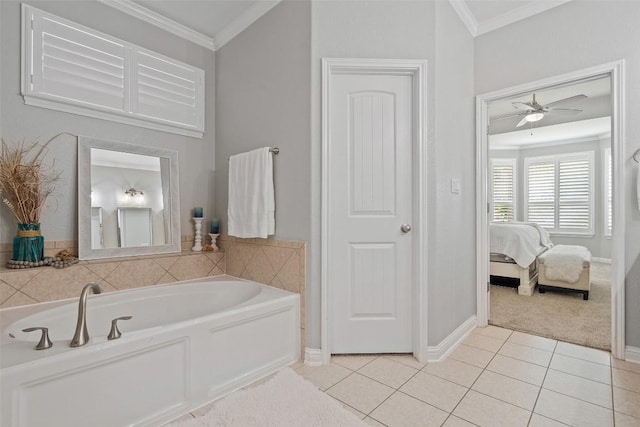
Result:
[514,248]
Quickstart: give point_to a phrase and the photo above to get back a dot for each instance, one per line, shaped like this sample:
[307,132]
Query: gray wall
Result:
[265,97]
[574,36]
[19,121]
[412,30]
[262,99]
[598,244]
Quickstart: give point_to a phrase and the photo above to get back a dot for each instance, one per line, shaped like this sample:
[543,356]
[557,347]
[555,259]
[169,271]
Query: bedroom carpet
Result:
[558,315]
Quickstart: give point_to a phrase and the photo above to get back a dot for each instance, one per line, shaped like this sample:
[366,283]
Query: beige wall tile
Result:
[191,267]
[166,262]
[167,278]
[5,291]
[103,269]
[135,273]
[217,271]
[215,257]
[105,286]
[66,244]
[46,284]
[277,256]
[289,275]
[259,268]
[5,256]
[18,278]
[18,299]
[62,283]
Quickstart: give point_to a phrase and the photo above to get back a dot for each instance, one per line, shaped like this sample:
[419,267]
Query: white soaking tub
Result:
[188,343]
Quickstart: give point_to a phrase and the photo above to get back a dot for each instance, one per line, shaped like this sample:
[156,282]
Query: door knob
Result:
[405,228]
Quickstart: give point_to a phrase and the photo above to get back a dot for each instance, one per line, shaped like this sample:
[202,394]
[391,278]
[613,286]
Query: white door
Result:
[370,252]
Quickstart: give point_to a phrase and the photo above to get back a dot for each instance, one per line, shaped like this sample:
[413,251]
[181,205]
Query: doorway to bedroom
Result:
[549,210]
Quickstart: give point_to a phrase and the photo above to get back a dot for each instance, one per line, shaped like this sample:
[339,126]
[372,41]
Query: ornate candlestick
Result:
[197,247]
[214,237]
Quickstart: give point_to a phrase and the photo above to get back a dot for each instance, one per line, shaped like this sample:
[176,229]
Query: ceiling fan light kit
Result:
[534,117]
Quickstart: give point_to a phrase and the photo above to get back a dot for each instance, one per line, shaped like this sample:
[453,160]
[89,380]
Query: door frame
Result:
[615,70]
[417,69]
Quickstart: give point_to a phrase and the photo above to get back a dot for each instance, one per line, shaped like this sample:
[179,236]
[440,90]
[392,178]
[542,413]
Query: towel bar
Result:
[275,151]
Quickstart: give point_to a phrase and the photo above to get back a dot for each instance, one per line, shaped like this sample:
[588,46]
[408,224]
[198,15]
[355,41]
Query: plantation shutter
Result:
[541,193]
[559,192]
[168,90]
[72,68]
[608,226]
[574,195]
[502,184]
[75,66]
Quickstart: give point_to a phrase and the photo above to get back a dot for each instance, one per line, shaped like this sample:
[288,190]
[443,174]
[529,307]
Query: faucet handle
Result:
[45,342]
[115,333]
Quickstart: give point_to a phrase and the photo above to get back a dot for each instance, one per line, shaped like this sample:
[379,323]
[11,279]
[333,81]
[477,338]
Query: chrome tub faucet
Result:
[82,334]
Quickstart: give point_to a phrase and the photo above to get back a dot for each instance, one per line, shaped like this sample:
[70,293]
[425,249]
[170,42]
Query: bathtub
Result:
[188,343]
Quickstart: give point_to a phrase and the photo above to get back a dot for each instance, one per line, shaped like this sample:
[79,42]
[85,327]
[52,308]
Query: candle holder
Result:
[197,247]
[214,237]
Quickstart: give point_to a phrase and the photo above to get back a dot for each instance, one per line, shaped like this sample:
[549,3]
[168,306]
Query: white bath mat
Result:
[286,399]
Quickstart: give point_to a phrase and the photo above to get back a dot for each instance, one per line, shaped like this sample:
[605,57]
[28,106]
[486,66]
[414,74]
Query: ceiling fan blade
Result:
[565,110]
[567,101]
[507,116]
[522,122]
[523,105]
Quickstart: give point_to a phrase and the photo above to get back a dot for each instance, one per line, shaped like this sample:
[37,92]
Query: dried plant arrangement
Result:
[25,181]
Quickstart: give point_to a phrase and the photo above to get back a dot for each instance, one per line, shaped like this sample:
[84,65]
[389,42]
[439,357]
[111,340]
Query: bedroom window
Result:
[559,192]
[608,196]
[72,68]
[503,190]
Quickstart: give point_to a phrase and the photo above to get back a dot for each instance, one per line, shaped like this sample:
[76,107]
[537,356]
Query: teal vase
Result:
[28,245]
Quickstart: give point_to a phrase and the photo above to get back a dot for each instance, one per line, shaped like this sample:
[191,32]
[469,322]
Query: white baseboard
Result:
[632,354]
[602,260]
[441,351]
[312,356]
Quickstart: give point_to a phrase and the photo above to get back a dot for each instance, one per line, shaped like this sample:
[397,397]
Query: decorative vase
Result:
[28,245]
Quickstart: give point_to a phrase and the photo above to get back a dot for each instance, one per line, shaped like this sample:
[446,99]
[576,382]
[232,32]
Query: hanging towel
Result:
[251,211]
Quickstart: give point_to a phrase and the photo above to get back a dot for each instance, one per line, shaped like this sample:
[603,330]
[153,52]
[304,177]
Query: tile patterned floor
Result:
[496,377]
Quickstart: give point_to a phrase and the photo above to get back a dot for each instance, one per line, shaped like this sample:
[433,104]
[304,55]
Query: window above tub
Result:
[72,68]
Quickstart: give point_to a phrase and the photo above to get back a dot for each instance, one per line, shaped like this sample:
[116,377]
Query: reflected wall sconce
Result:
[133,192]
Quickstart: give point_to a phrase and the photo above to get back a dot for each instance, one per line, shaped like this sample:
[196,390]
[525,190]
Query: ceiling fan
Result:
[534,111]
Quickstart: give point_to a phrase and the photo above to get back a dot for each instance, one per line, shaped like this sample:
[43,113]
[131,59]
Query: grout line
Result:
[535,404]
[476,380]
[579,376]
[613,402]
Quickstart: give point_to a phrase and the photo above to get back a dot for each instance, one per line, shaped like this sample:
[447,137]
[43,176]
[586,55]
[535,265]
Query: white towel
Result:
[251,211]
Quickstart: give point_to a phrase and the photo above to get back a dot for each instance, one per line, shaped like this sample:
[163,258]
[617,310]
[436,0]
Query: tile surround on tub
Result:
[29,286]
[276,263]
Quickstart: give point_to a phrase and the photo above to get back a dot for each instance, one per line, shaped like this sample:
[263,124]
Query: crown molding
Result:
[463,11]
[516,15]
[154,18]
[243,21]
[523,12]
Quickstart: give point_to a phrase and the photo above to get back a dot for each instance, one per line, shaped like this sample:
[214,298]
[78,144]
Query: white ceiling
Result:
[593,121]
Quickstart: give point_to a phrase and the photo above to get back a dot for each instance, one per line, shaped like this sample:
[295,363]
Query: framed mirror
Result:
[128,199]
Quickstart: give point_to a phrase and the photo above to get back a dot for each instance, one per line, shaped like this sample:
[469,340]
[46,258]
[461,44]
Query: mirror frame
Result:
[85,251]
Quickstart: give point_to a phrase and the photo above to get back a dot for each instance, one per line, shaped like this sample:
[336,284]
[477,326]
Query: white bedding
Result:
[521,241]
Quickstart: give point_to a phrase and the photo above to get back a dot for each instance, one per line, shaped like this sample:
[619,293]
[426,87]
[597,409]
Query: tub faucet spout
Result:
[82,334]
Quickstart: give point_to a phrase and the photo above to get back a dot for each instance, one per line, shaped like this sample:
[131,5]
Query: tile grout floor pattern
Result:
[494,377]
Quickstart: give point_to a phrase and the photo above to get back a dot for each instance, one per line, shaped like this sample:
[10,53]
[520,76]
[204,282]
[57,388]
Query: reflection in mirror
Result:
[128,201]
[134,227]
[97,238]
